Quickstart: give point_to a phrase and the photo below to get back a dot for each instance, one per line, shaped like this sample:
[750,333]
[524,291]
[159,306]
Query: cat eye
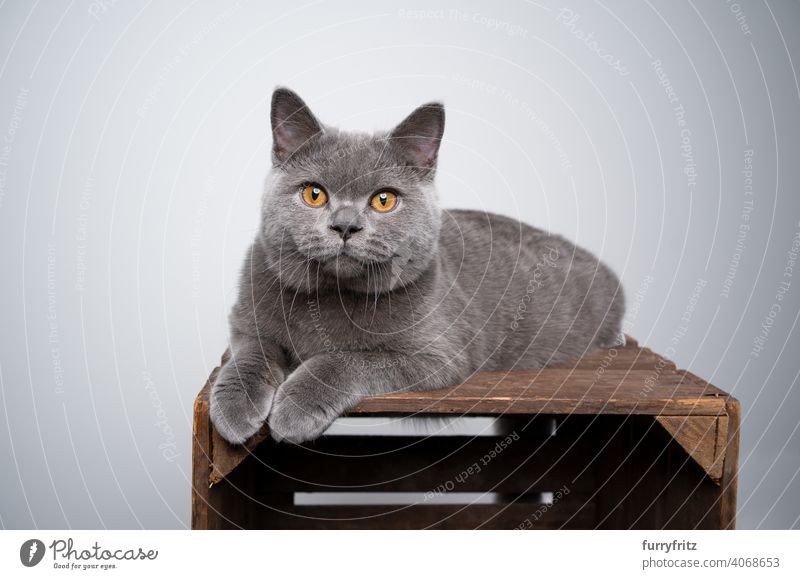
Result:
[314,196]
[383,201]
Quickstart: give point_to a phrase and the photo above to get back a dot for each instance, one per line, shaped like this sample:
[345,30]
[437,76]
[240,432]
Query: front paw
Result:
[300,413]
[238,410]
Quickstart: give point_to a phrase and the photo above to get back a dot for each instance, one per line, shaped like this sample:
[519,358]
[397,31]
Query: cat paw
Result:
[238,411]
[298,415]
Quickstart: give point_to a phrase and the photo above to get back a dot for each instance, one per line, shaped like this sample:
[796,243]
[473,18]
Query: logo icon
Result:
[31,552]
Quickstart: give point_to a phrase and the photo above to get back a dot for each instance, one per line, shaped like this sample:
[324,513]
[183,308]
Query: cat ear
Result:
[420,134]
[293,124]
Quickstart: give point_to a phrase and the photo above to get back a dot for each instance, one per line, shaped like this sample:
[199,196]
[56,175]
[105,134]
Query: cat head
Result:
[350,210]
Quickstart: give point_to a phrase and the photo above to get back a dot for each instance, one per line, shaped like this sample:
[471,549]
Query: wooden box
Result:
[637,444]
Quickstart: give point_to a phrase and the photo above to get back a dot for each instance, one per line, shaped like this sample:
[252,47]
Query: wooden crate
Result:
[638,444]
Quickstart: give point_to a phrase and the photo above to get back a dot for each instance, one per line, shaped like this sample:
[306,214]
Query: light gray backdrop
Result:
[134,138]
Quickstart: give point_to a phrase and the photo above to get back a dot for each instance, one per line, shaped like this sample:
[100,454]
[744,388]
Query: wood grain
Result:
[702,437]
[201,460]
[641,443]
[629,380]
[730,467]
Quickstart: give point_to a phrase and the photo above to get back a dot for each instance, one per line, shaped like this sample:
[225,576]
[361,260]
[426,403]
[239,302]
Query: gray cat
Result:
[359,284]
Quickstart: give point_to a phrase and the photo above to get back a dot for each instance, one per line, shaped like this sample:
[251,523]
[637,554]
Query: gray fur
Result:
[417,298]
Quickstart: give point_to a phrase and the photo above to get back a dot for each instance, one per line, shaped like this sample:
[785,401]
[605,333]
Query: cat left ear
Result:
[293,124]
[420,135]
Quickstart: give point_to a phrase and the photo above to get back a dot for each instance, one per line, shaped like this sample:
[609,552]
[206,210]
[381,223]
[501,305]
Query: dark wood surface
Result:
[651,399]
[629,380]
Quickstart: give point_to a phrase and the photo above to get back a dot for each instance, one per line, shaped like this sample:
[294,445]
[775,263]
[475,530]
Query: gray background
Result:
[134,141]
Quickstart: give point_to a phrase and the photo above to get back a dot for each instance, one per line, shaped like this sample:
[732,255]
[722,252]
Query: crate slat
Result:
[569,512]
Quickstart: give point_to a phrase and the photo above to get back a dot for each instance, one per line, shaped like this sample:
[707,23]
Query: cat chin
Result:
[347,272]
[344,266]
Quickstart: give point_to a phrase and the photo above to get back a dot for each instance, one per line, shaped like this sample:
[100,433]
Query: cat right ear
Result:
[293,124]
[420,135]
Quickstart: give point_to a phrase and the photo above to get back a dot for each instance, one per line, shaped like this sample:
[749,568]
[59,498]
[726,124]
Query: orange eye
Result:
[314,196]
[383,201]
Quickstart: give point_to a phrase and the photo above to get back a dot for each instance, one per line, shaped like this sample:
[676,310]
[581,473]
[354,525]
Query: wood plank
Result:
[226,456]
[702,437]
[570,512]
[201,459]
[559,391]
[627,358]
[730,467]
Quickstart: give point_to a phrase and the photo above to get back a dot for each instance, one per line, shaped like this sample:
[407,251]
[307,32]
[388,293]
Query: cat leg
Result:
[243,392]
[325,386]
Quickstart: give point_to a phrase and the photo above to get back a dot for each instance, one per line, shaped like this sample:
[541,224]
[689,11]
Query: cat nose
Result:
[346,221]
[345,231]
